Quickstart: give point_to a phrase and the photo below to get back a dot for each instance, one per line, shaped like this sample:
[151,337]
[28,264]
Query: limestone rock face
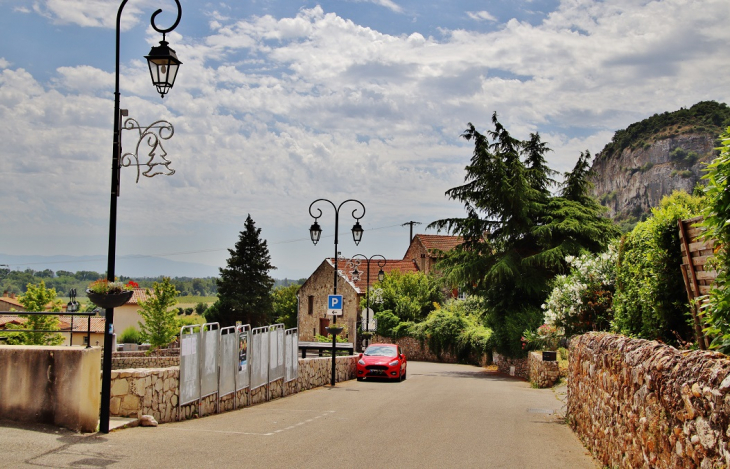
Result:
[634,181]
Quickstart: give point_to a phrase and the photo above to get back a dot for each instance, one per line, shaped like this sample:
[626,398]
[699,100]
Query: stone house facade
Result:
[421,256]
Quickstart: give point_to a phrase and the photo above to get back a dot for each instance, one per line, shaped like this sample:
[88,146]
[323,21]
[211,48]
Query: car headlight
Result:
[360,362]
[393,363]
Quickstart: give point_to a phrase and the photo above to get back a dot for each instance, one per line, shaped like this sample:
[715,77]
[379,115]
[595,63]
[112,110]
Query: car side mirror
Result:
[359,356]
[402,356]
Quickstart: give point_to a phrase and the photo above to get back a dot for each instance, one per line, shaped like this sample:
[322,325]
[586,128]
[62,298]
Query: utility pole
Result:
[411,223]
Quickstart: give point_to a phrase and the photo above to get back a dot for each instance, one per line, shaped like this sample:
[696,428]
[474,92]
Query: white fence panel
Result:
[244,357]
[228,360]
[210,344]
[189,365]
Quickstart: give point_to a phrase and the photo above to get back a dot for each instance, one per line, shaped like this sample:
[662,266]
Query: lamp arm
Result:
[177,21]
[356,208]
[311,214]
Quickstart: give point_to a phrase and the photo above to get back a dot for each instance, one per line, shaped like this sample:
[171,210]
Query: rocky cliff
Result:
[634,180]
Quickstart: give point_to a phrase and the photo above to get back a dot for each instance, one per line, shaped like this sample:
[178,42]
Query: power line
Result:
[170,254]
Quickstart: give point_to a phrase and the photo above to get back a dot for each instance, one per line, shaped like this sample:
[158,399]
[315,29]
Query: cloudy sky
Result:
[281,102]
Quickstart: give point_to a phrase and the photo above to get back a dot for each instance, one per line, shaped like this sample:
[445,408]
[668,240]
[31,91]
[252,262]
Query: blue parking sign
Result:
[334,305]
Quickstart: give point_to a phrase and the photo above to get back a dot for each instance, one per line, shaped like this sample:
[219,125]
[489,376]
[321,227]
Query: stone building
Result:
[420,256]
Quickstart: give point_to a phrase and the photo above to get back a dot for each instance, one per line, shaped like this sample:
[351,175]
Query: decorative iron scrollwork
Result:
[156,158]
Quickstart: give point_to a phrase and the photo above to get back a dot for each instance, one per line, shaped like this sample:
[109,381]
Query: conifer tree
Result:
[516,233]
[244,286]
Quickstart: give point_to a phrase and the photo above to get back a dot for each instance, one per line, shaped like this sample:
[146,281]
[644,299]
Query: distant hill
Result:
[652,158]
[128,266]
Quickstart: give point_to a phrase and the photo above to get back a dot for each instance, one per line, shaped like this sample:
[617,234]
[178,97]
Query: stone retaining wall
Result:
[505,364]
[137,392]
[123,363]
[639,403]
[543,374]
[417,351]
[160,358]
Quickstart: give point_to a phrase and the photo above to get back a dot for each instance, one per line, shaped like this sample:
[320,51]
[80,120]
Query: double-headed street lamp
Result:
[356,276]
[315,232]
[163,64]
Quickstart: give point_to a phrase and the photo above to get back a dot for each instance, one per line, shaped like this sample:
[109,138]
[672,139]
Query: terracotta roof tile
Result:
[140,294]
[80,323]
[12,301]
[10,319]
[439,242]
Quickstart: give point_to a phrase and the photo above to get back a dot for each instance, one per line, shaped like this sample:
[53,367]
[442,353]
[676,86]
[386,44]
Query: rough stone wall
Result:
[417,351]
[418,253]
[505,364]
[160,352]
[319,285]
[638,403]
[542,374]
[155,391]
[144,362]
[160,358]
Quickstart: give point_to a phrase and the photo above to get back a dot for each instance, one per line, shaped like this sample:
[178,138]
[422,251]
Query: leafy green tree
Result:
[200,308]
[160,318]
[285,305]
[516,233]
[456,327]
[650,299]
[37,298]
[410,296]
[244,287]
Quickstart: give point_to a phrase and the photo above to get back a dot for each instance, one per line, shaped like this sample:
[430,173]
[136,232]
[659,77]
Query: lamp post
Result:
[315,232]
[356,276]
[163,64]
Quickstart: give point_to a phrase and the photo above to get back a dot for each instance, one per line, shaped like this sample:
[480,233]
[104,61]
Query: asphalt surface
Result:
[442,416]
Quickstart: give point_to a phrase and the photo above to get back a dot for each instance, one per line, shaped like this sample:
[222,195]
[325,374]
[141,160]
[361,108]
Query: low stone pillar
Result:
[543,374]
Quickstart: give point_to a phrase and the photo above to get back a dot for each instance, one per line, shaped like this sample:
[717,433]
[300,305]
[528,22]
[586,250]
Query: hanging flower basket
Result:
[109,300]
[335,329]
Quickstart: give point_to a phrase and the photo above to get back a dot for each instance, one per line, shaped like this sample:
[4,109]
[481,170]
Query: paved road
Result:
[442,416]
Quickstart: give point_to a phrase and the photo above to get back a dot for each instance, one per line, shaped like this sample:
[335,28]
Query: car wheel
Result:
[360,378]
[403,378]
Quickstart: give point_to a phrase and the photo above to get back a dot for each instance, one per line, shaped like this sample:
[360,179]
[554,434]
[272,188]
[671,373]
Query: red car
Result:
[382,361]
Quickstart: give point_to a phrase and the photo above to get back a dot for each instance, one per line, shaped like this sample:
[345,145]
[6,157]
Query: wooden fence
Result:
[697,280]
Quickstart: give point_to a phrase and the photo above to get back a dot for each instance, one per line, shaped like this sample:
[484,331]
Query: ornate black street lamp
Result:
[315,232]
[356,276]
[164,65]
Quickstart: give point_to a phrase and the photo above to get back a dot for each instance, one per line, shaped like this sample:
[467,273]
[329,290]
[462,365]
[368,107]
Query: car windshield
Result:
[380,351]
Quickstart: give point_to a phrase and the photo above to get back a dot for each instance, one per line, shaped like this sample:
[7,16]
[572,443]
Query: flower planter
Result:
[109,300]
[335,330]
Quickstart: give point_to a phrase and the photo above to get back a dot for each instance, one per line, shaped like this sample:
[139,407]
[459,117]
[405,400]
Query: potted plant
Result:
[106,294]
[335,329]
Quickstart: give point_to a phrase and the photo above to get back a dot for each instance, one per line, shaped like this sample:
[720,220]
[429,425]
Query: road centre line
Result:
[275,432]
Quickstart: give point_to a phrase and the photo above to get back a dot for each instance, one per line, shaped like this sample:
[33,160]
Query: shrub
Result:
[454,328]
[130,335]
[650,300]
[582,300]
[716,214]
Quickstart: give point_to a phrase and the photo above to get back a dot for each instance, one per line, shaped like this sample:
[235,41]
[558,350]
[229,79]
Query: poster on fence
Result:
[242,351]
